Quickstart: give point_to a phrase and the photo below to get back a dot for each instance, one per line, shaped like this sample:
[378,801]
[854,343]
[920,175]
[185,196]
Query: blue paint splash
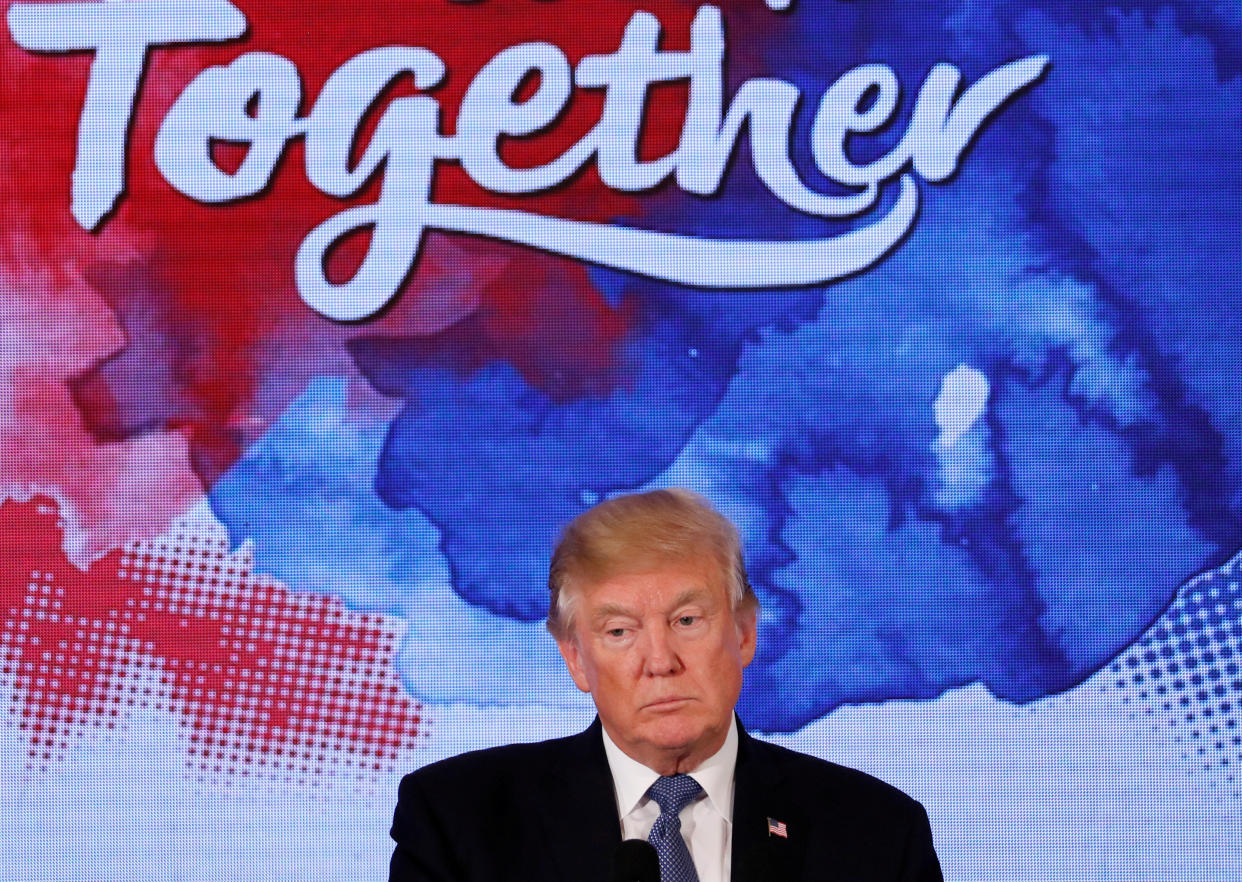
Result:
[1082,263]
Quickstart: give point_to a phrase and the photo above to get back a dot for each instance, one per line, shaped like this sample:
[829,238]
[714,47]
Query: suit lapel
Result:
[580,811]
[759,795]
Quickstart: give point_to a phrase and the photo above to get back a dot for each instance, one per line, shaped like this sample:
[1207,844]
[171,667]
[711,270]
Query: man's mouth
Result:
[666,704]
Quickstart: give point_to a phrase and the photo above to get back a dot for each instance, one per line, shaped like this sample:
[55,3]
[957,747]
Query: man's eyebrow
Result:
[690,595]
[608,610]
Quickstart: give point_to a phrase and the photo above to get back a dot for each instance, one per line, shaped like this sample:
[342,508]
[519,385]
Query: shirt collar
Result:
[631,779]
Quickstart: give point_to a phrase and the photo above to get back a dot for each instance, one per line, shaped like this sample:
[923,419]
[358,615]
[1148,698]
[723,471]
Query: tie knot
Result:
[672,793]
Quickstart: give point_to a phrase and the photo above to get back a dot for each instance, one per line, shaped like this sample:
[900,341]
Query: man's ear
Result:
[573,661]
[746,620]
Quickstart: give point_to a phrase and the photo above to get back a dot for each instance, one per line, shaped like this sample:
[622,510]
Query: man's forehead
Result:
[662,586]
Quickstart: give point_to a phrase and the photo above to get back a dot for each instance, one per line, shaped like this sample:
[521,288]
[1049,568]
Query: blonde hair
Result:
[633,533]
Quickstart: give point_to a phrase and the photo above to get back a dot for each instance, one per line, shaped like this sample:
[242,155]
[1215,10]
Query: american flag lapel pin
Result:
[777,828]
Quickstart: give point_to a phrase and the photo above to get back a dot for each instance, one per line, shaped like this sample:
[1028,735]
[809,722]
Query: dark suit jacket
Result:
[546,812]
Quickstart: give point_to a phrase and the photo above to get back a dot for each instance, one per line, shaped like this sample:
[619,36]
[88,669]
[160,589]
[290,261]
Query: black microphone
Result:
[636,861]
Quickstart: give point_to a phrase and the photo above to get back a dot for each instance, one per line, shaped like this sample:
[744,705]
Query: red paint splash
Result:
[263,679]
[217,341]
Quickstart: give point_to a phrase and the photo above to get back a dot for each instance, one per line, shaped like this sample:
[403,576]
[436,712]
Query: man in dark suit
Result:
[654,617]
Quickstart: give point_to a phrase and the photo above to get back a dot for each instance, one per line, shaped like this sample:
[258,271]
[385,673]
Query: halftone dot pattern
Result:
[263,680]
[1185,673]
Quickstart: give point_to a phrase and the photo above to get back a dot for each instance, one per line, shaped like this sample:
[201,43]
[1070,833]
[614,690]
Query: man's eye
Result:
[615,632]
[687,621]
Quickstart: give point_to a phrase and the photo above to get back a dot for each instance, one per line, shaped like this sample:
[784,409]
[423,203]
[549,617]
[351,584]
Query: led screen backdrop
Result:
[319,319]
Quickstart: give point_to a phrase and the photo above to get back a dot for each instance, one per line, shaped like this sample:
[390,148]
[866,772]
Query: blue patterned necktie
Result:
[672,793]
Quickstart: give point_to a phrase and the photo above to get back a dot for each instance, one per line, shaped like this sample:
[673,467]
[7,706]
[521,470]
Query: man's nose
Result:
[661,658]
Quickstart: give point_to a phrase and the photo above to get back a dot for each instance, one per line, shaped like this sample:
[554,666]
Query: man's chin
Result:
[675,732]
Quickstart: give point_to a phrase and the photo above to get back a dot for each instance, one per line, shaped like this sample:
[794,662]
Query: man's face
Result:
[662,653]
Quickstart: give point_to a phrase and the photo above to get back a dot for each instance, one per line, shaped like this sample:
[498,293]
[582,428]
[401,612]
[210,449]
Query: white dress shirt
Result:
[706,823]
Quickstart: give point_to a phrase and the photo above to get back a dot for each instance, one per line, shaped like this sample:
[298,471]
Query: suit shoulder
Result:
[815,774]
[494,765]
